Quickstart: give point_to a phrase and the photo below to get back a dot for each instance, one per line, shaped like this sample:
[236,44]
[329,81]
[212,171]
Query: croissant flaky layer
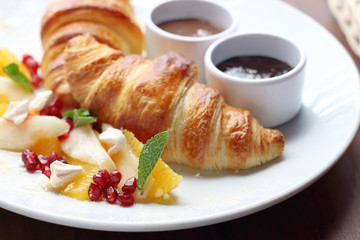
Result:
[111,22]
[149,96]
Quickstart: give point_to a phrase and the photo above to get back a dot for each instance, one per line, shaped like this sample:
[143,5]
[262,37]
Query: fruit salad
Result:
[74,154]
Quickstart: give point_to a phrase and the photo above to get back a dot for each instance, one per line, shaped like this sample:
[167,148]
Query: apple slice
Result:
[83,144]
[18,137]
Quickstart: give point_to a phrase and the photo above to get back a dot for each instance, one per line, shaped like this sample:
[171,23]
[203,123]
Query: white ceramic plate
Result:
[315,139]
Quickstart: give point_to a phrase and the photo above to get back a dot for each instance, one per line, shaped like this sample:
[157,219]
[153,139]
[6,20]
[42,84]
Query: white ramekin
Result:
[159,41]
[273,101]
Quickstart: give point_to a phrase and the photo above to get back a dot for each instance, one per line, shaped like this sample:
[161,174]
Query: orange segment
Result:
[135,145]
[79,186]
[7,57]
[163,178]
[45,146]
[4,104]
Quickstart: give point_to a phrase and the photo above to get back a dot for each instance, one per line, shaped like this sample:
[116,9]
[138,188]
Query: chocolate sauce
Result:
[190,27]
[254,67]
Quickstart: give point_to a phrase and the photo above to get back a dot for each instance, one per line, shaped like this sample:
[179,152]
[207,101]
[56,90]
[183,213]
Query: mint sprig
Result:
[12,70]
[149,156]
[80,116]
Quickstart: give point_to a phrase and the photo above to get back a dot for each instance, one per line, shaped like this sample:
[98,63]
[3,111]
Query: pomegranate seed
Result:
[51,111]
[64,136]
[30,160]
[54,109]
[30,64]
[101,178]
[24,154]
[55,112]
[114,178]
[43,161]
[125,200]
[36,80]
[54,156]
[56,103]
[47,171]
[130,185]
[25,57]
[111,194]
[70,122]
[94,192]
[67,134]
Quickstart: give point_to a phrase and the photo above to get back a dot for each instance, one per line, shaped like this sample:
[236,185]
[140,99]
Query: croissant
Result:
[111,22]
[149,96]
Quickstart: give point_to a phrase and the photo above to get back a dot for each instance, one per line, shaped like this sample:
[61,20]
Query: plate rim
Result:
[214,218]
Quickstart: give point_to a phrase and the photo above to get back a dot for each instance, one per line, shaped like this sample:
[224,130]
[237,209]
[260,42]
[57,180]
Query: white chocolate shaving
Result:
[62,173]
[41,100]
[17,111]
[113,138]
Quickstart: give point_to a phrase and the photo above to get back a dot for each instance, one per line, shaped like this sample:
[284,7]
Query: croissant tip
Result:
[277,140]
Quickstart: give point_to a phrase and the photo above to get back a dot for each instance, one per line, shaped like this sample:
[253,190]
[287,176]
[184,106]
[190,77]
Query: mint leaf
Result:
[81,112]
[12,70]
[80,116]
[149,156]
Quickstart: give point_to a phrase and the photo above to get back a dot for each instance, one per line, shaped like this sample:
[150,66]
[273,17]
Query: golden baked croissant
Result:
[149,96]
[111,22]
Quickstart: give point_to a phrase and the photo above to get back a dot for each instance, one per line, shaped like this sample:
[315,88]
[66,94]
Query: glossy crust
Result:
[111,22]
[149,96]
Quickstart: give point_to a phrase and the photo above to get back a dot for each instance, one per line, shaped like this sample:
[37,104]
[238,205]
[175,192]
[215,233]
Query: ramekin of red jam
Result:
[261,72]
[187,27]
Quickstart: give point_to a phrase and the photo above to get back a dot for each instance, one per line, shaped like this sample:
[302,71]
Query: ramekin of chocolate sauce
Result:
[261,72]
[187,27]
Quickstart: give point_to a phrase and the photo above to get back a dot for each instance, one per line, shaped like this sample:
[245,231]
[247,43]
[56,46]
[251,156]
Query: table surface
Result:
[328,209]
